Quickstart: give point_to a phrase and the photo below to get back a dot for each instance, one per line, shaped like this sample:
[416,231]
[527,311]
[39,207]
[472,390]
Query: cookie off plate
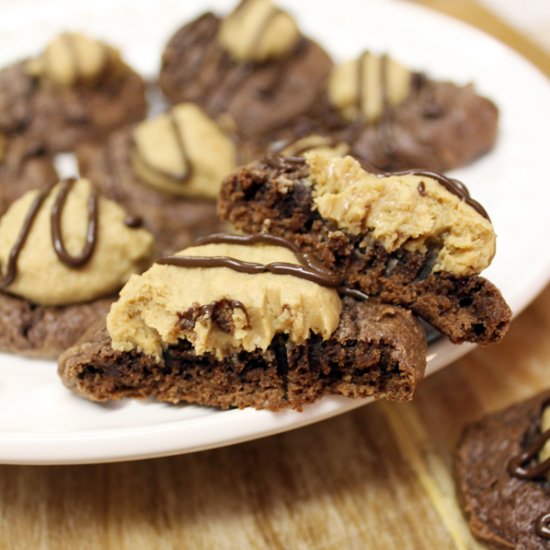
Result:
[43,423]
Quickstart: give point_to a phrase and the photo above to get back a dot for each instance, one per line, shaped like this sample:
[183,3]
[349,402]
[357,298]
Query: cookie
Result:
[253,66]
[168,171]
[23,166]
[502,470]
[245,321]
[393,118]
[77,90]
[414,239]
[65,251]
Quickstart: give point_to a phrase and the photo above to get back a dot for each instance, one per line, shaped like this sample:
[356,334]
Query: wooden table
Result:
[378,477]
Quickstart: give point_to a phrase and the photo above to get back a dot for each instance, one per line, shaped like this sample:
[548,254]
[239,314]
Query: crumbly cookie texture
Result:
[545,426]
[42,278]
[362,87]
[220,310]
[402,211]
[317,143]
[183,152]
[257,31]
[73,58]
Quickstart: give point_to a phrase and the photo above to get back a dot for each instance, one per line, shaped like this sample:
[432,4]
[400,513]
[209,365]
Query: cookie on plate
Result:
[167,170]
[23,166]
[414,239]
[77,90]
[253,65]
[245,321]
[393,118]
[502,473]
[65,252]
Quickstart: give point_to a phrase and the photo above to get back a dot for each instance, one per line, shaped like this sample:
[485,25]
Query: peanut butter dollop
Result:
[183,152]
[73,58]
[366,86]
[409,211]
[257,31]
[220,310]
[42,278]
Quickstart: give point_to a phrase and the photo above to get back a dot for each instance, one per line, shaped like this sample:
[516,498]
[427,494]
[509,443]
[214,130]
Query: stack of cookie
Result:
[338,261]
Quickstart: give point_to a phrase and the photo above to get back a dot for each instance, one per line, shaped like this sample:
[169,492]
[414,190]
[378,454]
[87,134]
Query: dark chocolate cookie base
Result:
[45,331]
[272,196]
[60,118]
[501,509]
[174,221]
[259,97]
[377,351]
[24,168]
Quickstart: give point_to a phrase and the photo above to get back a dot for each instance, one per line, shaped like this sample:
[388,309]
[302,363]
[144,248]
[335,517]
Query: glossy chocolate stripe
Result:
[56,232]
[304,258]
[517,465]
[542,526]
[252,268]
[11,271]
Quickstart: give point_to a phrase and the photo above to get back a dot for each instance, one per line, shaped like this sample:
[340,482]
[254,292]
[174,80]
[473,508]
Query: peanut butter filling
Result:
[67,245]
[257,31]
[368,86]
[183,152]
[415,212]
[218,309]
[73,58]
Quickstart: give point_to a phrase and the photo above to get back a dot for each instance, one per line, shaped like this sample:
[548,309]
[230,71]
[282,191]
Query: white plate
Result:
[42,423]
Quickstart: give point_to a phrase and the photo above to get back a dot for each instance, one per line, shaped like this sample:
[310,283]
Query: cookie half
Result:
[416,240]
[249,323]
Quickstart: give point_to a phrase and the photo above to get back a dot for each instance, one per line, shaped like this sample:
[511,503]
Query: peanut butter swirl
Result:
[310,269]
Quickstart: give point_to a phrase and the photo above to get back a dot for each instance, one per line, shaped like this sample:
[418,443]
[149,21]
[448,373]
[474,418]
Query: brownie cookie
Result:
[413,239]
[64,252]
[167,170]
[253,65]
[395,119]
[502,470]
[23,166]
[245,321]
[77,90]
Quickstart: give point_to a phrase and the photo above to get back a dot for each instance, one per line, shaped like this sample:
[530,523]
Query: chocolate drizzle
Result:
[454,186]
[309,268]
[11,271]
[517,467]
[91,232]
[542,526]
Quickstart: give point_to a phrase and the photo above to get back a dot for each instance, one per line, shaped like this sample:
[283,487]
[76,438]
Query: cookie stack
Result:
[132,272]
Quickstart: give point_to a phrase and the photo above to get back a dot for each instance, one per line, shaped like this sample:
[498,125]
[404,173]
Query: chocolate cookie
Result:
[166,170]
[65,252]
[252,65]
[77,90]
[246,322]
[415,239]
[23,166]
[394,119]
[502,481]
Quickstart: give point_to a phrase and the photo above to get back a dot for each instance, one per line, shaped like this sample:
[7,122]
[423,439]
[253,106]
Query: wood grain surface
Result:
[378,477]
